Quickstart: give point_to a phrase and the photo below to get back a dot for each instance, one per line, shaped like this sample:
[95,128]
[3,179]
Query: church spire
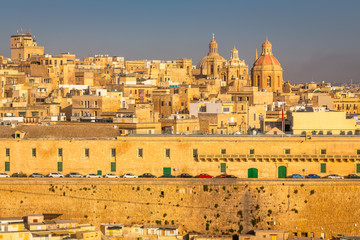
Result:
[256,55]
[213,46]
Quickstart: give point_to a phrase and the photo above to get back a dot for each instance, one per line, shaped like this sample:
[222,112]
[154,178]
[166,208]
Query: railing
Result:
[279,157]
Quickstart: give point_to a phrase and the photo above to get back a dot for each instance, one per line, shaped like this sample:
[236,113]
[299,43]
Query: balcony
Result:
[277,158]
[231,124]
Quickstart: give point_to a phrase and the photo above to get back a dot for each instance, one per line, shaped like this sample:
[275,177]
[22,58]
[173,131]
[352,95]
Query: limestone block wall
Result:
[322,207]
[181,159]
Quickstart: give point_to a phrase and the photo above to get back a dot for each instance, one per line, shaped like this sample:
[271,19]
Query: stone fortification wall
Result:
[155,154]
[207,206]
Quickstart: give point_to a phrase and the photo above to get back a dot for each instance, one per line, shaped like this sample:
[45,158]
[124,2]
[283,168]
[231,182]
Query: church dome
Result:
[213,55]
[266,58]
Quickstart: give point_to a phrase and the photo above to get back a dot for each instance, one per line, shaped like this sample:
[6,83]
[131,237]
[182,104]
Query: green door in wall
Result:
[59,166]
[223,167]
[252,173]
[99,172]
[113,166]
[282,172]
[166,170]
[7,166]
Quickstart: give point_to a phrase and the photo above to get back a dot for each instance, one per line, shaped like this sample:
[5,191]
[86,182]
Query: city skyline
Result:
[312,41]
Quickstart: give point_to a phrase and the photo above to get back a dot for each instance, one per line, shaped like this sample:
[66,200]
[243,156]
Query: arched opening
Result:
[268,81]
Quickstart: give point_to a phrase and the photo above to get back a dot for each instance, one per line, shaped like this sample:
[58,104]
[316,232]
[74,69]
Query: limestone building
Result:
[267,73]
[214,66]
[211,65]
[23,46]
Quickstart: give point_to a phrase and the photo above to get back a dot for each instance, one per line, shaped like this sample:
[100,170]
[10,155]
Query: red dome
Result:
[266,60]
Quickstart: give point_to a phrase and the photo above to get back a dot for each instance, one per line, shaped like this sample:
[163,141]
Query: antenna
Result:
[21,31]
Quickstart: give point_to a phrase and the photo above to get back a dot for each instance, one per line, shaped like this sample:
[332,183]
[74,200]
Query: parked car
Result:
[296,176]
[74,175]
[4,175]
[313,176]
[224,175]
[36,175]
[93,175]
[167,176]
[353,176]
[147,175]
[129,175]
[185,175]
[55,175]
[111,175]
[204,175]
[334,176]
[19,174]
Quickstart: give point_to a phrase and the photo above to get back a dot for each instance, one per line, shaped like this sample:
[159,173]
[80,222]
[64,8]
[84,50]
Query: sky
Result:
[314,40]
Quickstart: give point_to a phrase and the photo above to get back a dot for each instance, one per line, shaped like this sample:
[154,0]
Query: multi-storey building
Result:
[23,46]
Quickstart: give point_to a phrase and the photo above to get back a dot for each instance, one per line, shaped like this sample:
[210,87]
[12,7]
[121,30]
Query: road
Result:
[160,181]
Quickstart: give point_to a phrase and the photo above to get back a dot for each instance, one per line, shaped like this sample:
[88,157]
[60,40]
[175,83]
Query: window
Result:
[140,152]
[195,152]
[223,151]
[323,151]
[268,81]
[252,151]
[287,151]
[60,152]
[87,152]
[7,152]
[33,152]
[113,152]
[323,167]
[167,153]
[358,152]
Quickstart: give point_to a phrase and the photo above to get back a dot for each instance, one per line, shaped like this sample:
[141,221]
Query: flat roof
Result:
[10,218]
[65,221]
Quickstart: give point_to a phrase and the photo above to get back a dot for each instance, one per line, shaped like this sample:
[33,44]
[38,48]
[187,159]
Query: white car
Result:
[129,175]
[74,175]
[55,175]
[111,175]
[4,175]
[335,176]
[93,175]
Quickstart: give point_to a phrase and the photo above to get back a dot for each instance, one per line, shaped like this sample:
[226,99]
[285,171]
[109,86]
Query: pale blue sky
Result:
[313,40]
